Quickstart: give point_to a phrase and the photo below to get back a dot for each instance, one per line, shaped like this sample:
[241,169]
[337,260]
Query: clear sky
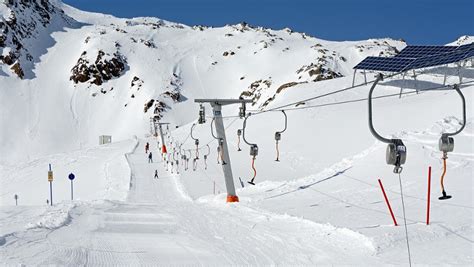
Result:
[416,21]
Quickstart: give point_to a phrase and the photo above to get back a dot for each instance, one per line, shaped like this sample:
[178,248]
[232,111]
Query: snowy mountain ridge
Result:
[89,61]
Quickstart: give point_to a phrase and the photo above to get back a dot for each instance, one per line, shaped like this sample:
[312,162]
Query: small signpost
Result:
[50,180]
[16,199]
[71,177]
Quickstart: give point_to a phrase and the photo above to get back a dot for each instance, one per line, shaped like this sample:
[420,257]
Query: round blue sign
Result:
[71,176]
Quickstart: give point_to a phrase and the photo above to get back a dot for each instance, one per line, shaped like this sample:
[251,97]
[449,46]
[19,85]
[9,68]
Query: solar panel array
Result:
[441,59]
[390,64]
[416,51]
[415,57]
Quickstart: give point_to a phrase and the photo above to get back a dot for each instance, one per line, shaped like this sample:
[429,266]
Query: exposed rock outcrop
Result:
[28,21]
[104,68]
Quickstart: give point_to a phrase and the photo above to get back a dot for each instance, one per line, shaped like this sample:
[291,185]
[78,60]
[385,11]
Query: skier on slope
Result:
[156,174]
[147,147]
[150,158]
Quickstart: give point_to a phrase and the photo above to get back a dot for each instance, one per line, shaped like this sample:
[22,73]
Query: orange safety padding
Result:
[231,198]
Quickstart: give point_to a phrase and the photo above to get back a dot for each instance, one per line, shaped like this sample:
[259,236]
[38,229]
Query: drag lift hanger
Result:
[188,158]
[239,134]
[446,143]
[207,155]
[253,150]
[396,153]
[196,141]
[220,150]
[278,136]
[176,160]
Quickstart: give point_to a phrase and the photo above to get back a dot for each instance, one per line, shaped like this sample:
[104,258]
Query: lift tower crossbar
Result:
[216,105]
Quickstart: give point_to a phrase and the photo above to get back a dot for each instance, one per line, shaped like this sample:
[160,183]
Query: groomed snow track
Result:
[160,225]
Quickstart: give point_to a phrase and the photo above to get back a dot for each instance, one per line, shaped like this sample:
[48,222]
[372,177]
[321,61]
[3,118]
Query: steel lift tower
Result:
[158,128]
[216,105]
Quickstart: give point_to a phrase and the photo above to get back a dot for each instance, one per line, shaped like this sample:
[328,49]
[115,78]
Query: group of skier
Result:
[150,157]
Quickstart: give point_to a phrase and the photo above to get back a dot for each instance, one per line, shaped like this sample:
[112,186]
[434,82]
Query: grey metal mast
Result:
[158,125]
[216,105]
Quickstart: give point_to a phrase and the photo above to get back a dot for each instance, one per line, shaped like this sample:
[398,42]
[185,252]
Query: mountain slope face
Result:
[69,76]
[25,28]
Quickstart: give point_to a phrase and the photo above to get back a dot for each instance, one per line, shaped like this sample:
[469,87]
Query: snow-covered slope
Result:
[96,73]
[93,74]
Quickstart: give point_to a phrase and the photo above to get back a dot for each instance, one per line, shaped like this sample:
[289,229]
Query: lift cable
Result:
[327,94]
[404,218]
[258,112]
[437,88]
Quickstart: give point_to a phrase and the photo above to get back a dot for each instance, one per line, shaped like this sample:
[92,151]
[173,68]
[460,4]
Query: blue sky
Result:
[416,21]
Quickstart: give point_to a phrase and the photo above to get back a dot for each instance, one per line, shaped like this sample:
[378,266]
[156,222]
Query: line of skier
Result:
[150,158]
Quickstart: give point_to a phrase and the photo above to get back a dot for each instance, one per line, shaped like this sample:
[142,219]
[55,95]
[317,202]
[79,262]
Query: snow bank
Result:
[55,217]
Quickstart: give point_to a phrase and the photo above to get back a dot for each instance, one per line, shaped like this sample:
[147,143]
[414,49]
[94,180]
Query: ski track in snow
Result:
[333,171]
[160,224]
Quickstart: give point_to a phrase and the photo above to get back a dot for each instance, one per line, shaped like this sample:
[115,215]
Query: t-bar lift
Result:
[216,105]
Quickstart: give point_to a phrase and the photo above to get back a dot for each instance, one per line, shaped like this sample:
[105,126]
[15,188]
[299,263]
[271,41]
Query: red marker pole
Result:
[429,197]
[388,203]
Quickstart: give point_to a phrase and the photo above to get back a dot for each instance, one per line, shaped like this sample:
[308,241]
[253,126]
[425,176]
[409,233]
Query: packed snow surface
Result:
[321,204]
